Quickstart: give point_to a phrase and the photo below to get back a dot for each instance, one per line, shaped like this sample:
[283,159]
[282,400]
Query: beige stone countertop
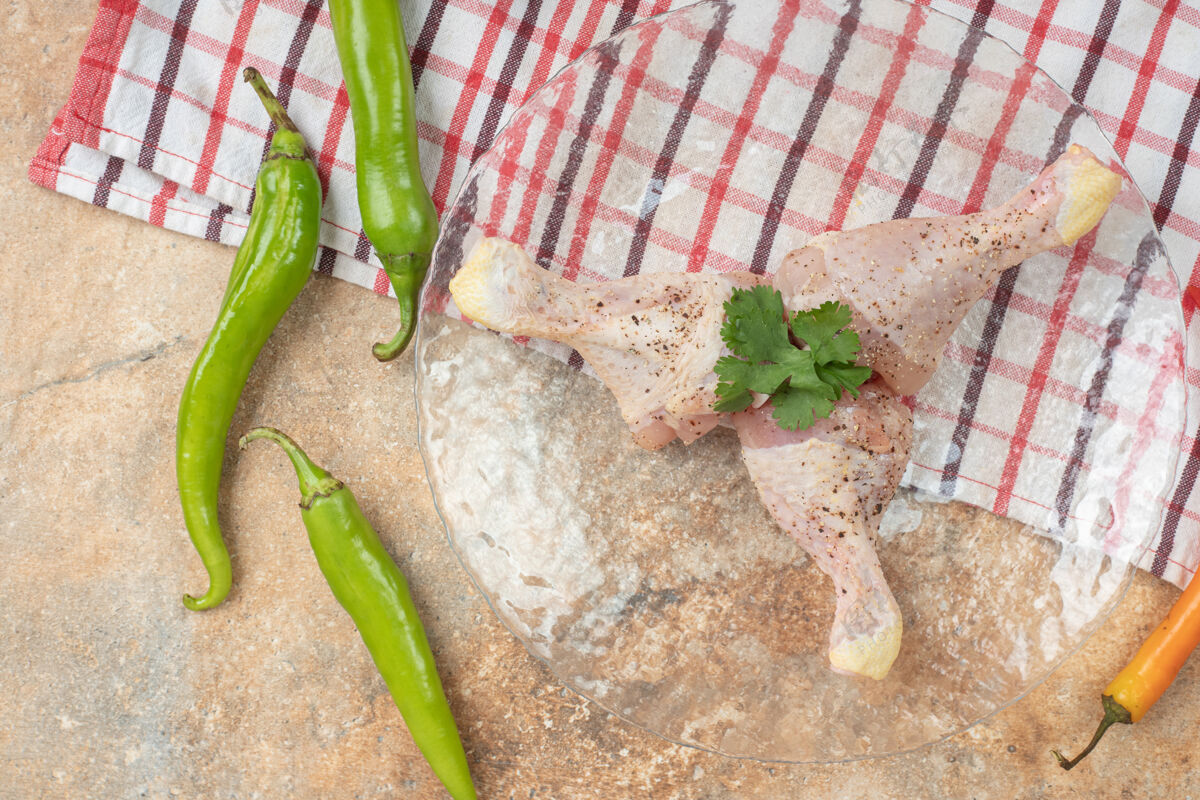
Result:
[109,688]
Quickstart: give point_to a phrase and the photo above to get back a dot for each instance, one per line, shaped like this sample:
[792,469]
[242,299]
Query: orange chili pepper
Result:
[1147,676]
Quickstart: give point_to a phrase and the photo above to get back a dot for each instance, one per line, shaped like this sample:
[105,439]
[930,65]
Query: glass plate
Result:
[723,135]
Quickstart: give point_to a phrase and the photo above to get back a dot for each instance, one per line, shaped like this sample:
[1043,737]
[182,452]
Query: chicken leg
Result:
[910,282]
[827,486]
[652,339]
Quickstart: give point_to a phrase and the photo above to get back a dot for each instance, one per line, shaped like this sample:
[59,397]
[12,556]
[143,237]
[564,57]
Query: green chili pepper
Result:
[397,211]
[369,585]
[272,265]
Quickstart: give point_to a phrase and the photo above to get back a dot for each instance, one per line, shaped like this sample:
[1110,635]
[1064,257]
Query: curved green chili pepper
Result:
[397,211]
[272,265]
[369,585]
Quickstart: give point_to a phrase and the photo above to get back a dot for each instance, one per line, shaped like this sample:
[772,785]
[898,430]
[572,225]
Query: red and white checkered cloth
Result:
[156,128]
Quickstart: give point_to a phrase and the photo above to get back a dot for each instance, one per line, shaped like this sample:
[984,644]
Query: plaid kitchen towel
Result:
[157,127]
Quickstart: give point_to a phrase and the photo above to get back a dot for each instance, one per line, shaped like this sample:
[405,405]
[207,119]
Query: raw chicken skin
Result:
[910,282]
[827,486]
[652,339]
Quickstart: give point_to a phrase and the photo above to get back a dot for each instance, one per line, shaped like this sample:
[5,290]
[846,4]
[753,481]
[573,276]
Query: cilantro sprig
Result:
[803,383]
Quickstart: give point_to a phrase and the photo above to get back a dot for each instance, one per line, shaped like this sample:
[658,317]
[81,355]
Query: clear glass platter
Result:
[720,136]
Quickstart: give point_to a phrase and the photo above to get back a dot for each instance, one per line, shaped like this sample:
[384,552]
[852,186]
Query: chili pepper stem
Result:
[1113,712]
[274,108]
[314,480]
[406,273]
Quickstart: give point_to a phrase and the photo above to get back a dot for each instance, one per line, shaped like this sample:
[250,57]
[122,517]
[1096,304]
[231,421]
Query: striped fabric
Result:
[158,126]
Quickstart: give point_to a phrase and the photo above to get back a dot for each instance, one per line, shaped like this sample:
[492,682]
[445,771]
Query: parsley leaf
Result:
[803,383]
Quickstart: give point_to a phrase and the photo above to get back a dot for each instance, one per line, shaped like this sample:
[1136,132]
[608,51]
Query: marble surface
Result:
[110,689]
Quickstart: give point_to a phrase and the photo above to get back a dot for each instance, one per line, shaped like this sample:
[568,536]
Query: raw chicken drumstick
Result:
[827,486]
[910,282]
[654,341]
